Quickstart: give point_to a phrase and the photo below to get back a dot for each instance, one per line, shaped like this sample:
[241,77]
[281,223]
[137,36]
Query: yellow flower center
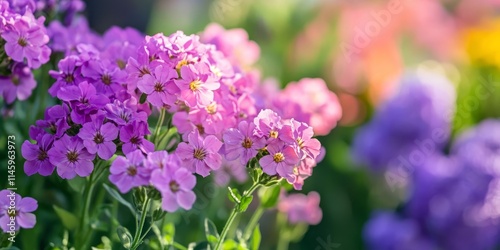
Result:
[273,134]
[247,143]
[278,157]
[194,85]
[199,154]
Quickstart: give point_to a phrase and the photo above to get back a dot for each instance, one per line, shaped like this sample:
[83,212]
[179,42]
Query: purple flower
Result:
[159,86]
[197,85]
[132,135]
[242,143]
[98,137]
[69,74]
[123,113]
[71,158]
[16,212]
[84,101]
[200,155]
[416,118]
[56,121]
[36,155]
[128,172]
[301,208]
[387,231]
[26,40]
[18,85]
[230,170]
[104,75]
[174,182]
[281,160]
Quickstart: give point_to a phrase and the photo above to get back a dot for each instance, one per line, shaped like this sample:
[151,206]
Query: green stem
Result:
[179,246]
[138,232]
[283,242]
[253,222]
[159,124]
[233,215]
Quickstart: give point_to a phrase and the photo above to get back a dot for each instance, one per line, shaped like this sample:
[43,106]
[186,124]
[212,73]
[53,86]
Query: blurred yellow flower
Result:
[482,43]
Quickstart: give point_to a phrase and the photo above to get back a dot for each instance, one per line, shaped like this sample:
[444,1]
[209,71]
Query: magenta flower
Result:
[268,124]
[174,182]
[128,172]
[71,158]
[56,121]
[197,85]
[36,155]
[242,143]
[200,155]
[301,208]
[281,160]
[159,86]
[21,209]
[132,135]
[18,85]
[98,137]
[27,39]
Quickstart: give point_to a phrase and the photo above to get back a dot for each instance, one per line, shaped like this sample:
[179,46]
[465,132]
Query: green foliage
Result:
[69,220]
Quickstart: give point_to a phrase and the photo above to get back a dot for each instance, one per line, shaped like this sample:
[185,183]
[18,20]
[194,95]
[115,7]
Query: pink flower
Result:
[281,160]
[128,172]
[301,208]
[242,143]
[174,182]
[200,155]
[197,85]
[301,134]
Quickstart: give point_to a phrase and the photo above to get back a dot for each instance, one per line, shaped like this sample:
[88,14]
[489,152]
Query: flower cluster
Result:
[451,197]
[162,170]
[23,48]
[110,85]
[301,208]
[16,212]
[97,115]
[416,119]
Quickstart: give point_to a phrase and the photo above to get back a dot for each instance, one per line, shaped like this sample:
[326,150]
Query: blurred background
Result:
[361,49]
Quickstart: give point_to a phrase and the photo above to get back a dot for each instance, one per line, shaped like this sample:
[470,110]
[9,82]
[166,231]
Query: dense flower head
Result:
[450,197]
[416,119]
[16,212]
[301,208]
[110,85]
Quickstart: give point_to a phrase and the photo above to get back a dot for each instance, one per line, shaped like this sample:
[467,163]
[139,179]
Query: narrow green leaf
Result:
[256,238]
[69,220]
[119,198]
[211,231]
[169,233]
[234,195]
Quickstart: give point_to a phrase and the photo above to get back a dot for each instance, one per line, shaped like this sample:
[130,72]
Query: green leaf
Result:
[245,202]
[234,195]
[255,240]
[211,231]
[269,196]
[69,220]
[124,236]
[77,184]
[119,198]
[230,244]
